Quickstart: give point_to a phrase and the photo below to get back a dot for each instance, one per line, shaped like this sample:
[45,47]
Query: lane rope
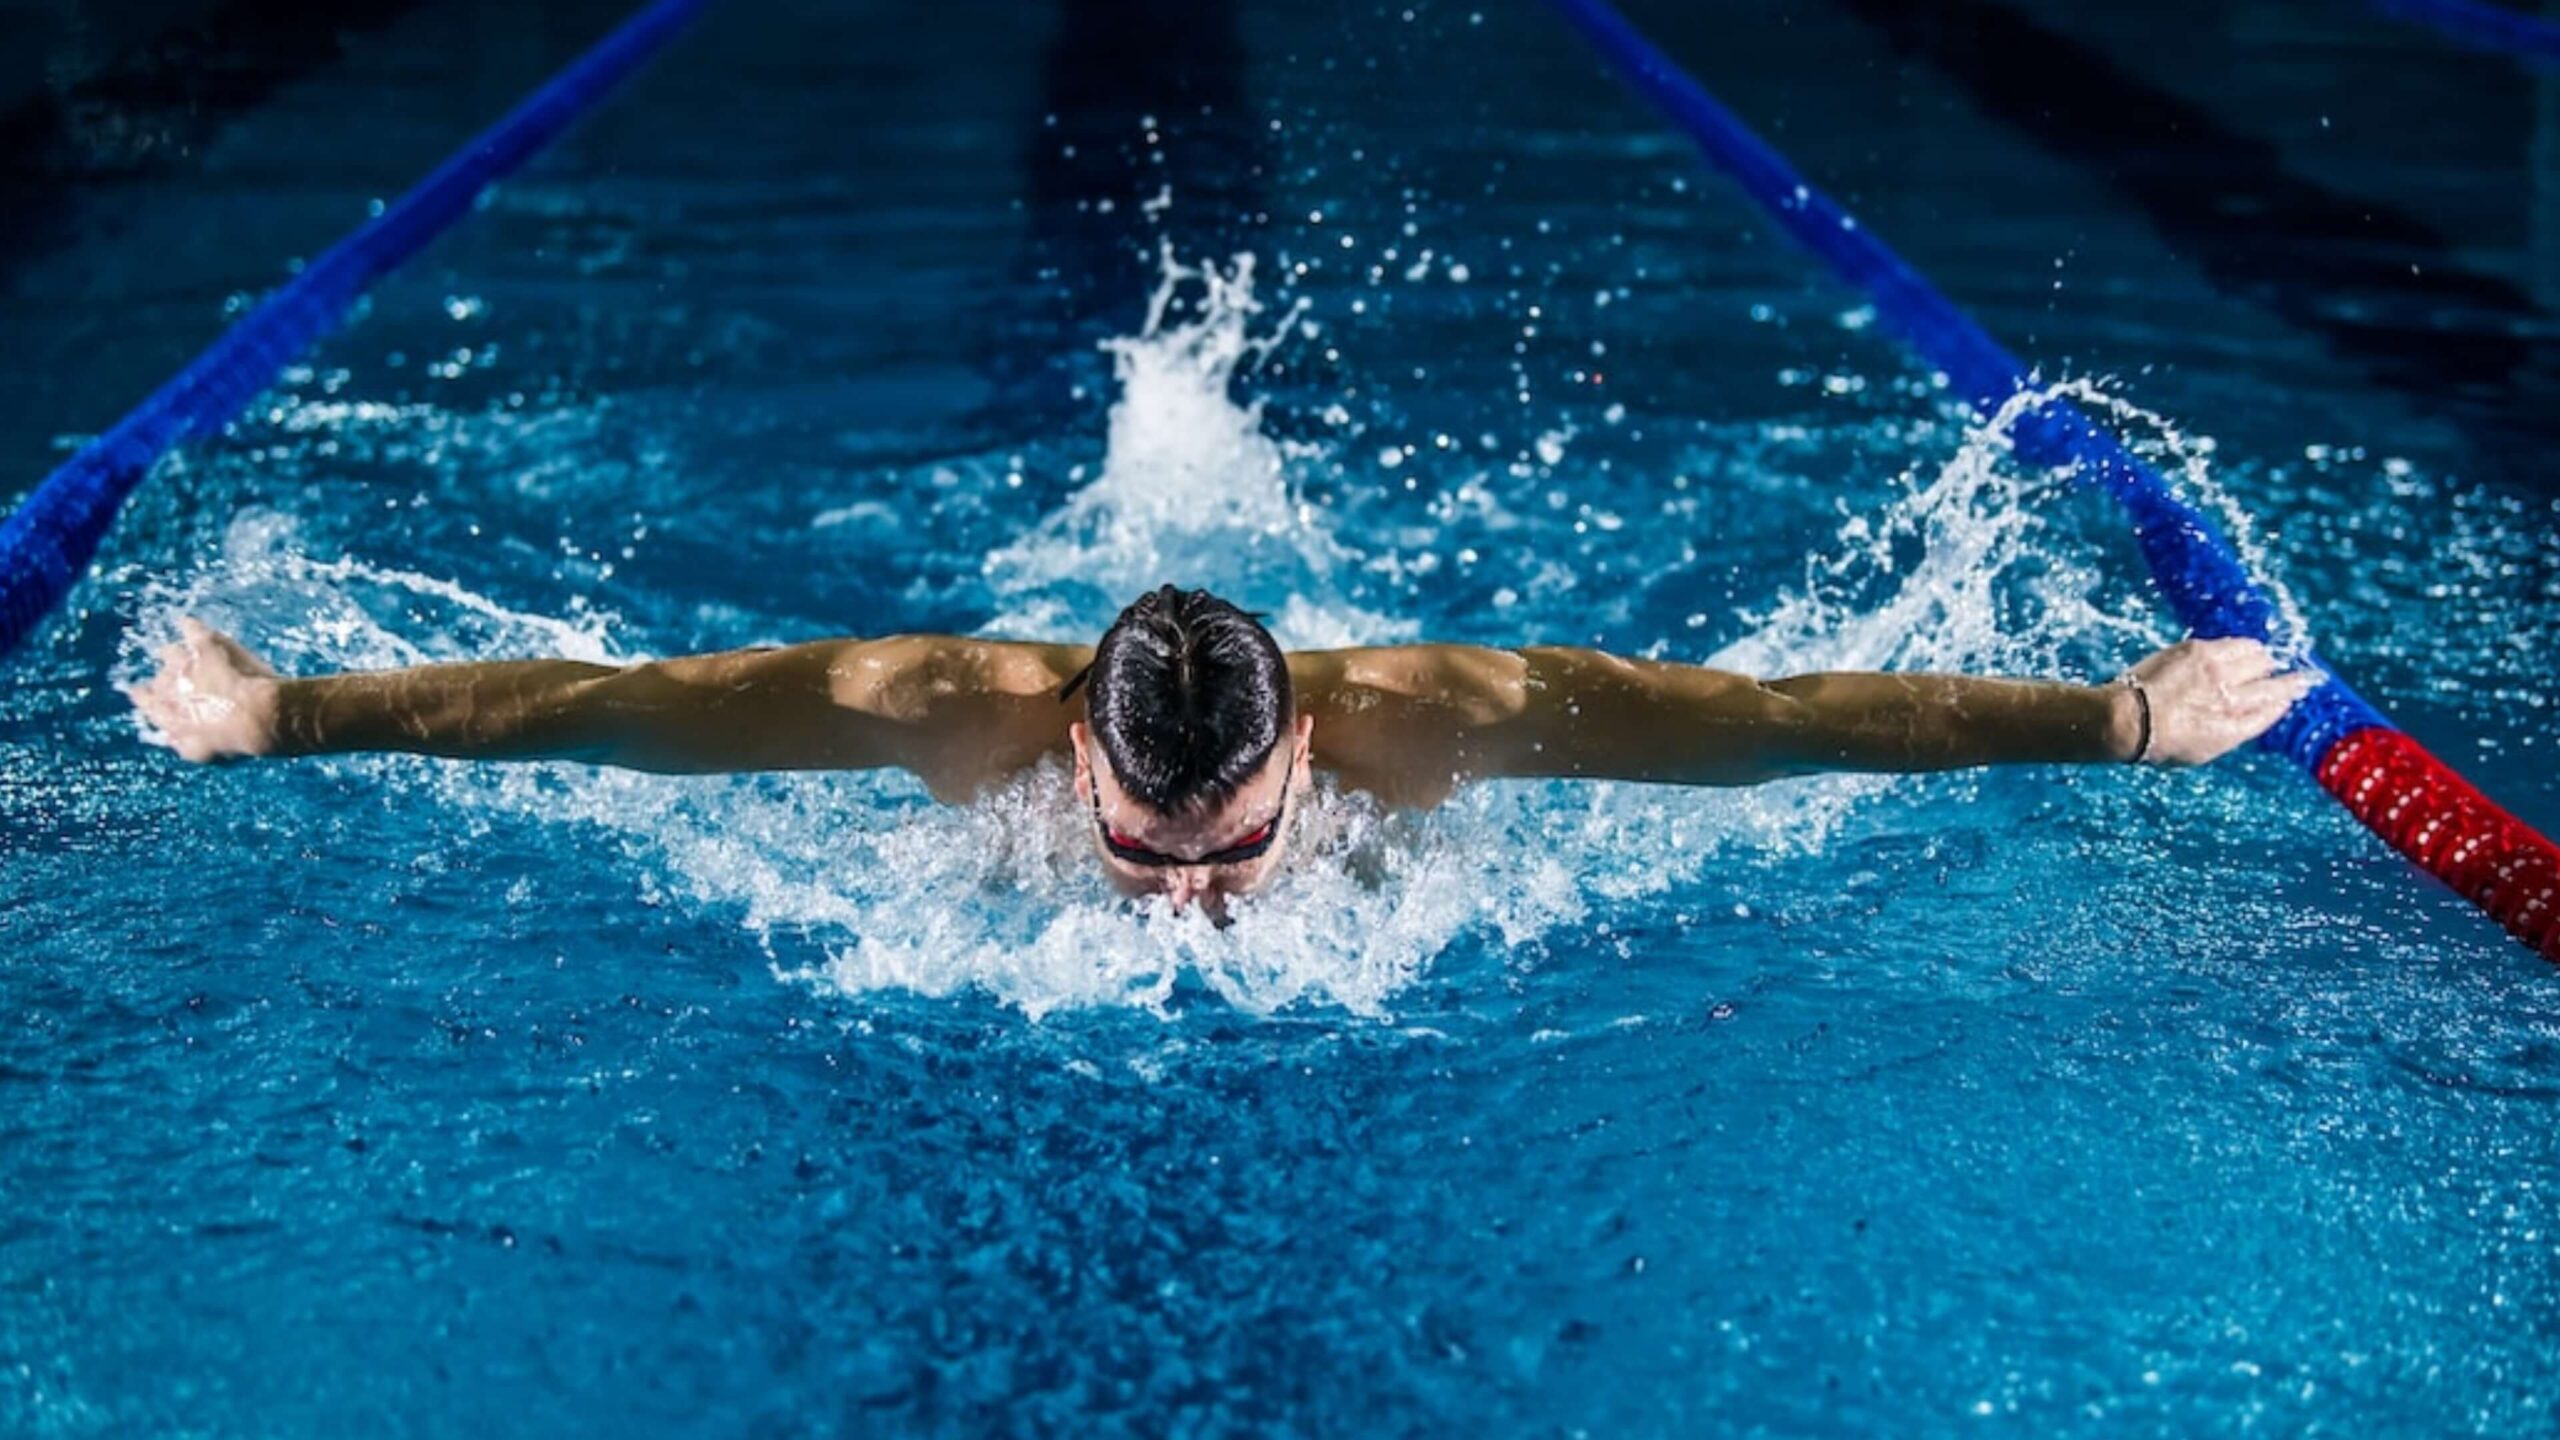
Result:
[2486,27]
[50,539]
[2389,782]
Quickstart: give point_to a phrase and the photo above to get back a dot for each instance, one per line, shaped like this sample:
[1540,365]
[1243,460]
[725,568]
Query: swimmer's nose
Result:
[1185,885]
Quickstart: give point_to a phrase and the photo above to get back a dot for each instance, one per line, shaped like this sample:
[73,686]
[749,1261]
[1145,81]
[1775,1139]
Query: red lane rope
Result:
[2450,830]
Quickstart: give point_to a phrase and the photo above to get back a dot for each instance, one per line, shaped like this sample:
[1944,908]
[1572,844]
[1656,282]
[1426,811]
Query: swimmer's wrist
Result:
[2127,732]
[338,714]
[287,717]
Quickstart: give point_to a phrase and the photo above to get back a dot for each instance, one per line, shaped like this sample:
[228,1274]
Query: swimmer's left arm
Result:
[1470,712]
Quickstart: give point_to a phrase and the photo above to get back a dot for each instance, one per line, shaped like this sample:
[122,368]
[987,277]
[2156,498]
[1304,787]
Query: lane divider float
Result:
[2486,27]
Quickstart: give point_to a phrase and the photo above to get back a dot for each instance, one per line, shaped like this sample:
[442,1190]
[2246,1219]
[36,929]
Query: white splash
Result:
[332,614]
[858,884]
[2190,473]
[1192,491]
[1956,573]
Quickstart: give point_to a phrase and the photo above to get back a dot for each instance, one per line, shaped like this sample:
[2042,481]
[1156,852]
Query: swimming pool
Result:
[390,1097]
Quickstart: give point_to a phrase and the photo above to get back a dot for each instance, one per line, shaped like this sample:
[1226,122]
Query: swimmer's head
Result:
[1190,750]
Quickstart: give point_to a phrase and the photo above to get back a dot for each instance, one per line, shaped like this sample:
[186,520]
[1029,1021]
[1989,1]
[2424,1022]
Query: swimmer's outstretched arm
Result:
[960,713]
[1467,712]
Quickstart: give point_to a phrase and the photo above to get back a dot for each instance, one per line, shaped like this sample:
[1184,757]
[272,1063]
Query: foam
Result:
[1191,488]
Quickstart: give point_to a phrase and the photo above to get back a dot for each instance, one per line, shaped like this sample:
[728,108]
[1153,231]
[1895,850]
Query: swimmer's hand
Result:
[211,699]
[2208,697]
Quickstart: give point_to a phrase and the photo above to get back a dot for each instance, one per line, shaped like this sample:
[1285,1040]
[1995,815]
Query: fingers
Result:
[168,721]
[236,653]
[161,696]
[195,641]
[202,641]
[2234,660]
[159,713]
[178,660]
[2250,710]
[2266,702]
[2227,659]
[2245,661]
[158,699]
[2277,694]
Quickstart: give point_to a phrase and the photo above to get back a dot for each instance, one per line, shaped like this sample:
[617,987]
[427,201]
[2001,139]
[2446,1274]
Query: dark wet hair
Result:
[1188,695]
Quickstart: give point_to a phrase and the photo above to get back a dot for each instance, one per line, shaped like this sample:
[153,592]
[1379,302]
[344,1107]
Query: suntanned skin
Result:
[1407,723]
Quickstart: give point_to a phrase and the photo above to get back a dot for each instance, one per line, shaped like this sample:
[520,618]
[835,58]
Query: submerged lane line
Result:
[2389,782]
[2486,27]
[46,544]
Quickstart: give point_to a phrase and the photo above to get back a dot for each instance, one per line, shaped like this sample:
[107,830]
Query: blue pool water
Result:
[384,1096]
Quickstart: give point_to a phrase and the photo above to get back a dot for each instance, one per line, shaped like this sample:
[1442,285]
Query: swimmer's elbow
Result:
[697,715]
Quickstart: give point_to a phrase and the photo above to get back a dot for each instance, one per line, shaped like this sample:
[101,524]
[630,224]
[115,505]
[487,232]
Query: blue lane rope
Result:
[2490,27]
[2204,580]
[46,544]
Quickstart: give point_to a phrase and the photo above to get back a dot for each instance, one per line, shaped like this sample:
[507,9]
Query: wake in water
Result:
[859,884]
[1190,485]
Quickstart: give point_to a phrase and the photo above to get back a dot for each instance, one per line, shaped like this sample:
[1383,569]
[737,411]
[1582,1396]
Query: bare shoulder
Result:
[910,677]
[1409,723]
[974,712]
[1480,683]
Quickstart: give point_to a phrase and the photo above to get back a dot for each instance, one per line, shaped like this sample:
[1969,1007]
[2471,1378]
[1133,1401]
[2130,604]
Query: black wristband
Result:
[2142,707]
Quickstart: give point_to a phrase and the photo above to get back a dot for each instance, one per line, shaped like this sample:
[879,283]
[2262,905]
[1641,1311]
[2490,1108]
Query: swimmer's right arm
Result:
[960,713]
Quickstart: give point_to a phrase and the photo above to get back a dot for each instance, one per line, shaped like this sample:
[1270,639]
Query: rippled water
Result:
[385,1095]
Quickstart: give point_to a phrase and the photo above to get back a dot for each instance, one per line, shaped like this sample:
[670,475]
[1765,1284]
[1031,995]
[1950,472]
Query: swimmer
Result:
[1197,737]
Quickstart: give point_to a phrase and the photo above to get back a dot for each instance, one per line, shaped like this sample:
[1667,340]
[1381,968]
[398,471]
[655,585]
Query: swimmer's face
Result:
[1262,808]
